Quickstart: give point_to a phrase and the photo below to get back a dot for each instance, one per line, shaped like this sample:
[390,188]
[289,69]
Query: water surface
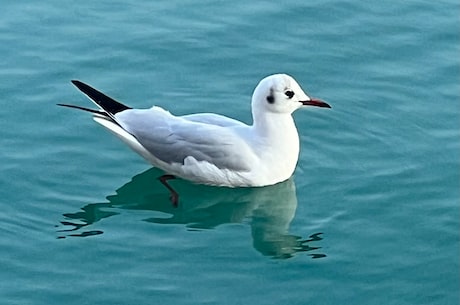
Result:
[371,215]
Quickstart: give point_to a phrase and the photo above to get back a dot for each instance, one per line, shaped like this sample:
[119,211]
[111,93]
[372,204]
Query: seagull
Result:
[208,148]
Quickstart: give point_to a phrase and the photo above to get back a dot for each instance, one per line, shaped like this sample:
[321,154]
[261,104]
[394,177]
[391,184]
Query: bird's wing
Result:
[213,119]
[172,139]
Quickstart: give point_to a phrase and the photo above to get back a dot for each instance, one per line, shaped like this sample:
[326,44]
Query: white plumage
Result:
[209,148]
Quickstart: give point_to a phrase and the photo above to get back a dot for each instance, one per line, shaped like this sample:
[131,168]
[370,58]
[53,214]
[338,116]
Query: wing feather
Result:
[172,139]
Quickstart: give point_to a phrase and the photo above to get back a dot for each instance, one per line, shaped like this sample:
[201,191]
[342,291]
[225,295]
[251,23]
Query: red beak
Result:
[316,102]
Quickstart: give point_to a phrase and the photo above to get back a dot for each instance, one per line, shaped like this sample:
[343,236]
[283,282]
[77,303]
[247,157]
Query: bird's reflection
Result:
[268,210]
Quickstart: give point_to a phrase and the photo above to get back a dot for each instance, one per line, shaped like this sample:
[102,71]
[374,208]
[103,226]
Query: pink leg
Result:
[174,195]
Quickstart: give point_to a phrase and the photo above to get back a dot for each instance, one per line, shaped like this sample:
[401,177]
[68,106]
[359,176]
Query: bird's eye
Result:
[289,93]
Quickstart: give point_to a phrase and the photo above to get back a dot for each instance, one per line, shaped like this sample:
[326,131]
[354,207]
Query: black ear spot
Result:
[270,99]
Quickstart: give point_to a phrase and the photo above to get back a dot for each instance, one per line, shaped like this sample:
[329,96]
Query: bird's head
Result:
[280,93]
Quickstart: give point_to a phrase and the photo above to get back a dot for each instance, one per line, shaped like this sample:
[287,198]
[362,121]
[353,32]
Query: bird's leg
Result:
[174,195]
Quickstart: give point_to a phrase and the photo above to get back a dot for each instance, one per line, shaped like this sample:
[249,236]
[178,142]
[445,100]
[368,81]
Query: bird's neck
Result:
[276,127]
[279,145]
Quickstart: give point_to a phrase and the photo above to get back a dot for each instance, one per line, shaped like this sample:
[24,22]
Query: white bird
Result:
[212,149]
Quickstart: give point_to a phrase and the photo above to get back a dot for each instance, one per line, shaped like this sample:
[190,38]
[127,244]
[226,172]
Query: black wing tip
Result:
[76,82]
[82,86]
[105,102]
[95,111]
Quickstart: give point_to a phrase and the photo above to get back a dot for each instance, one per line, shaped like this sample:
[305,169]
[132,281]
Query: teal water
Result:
[371,215]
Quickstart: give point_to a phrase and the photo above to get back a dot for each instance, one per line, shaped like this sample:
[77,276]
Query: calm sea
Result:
[371,215]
